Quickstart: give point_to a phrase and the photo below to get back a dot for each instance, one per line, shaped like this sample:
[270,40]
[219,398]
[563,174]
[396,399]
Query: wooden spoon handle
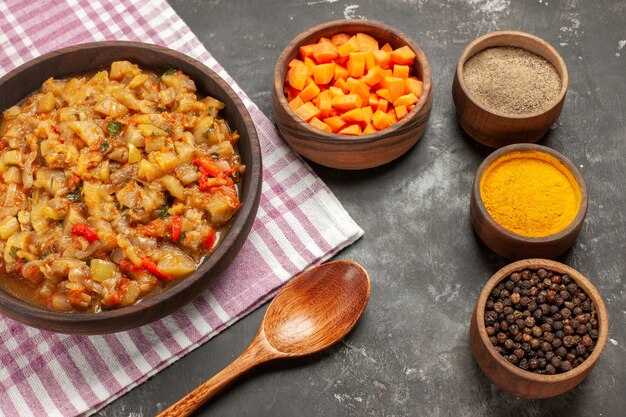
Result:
[258,352]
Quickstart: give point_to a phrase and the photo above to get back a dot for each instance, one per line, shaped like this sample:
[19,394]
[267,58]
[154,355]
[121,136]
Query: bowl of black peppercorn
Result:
[538,328]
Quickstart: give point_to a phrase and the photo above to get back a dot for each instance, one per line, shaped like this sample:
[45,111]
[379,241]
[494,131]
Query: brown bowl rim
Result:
[465,56]
[325,137]
[579,278]
[72,322]
[527,147]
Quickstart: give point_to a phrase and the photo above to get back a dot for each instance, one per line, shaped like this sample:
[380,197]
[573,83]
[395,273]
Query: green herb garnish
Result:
[215,155]
[114,128]
[14,250]
[160,109]
[164,211]
[104,146]
[75,195]
[169,71]
[207,132]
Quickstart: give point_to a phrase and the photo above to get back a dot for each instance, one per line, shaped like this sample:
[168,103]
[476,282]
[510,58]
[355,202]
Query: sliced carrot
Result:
[360,88]
[351,46]
[405,100]
[325,103]
[395,86]
[370,60]
[295,103]
[295,62]
[296,76]
[374,76]
[403,56]
[363,114]
[336,91]
[325,40]
[341,83]
[324,52]
[382,105]
[413,85]
[353,130]
[384,93]
[356,64]
[347,102]
[386,47]
[392,115]
[366,42]
[369,129]
[401,71]
[340,72]
[340,38]
[324,73]
[306,50]
[307,111]
[381,120]
[320,125]
[382,58]
[409,108]
[335,123]
[401,111]
[309,63]
[309,92]
[373,100]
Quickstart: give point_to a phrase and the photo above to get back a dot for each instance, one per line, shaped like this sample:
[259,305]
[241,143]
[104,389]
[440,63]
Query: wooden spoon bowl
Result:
[512,245]
[509,377]
[312,312]
[343,151]
[495,129]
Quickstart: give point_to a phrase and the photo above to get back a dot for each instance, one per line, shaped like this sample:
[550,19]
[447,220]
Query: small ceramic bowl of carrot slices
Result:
[352,94]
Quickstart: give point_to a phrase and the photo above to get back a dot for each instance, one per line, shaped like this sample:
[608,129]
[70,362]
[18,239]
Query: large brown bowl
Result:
[79,59]
[509,377]
[343,151]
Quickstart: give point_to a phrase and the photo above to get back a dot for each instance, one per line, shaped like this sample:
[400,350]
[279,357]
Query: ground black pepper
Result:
[541,321]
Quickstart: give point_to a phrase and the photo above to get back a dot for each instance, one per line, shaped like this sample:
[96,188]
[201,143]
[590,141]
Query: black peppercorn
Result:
[550,370]
[523,364]
[513,359]
[587,341]
[562,352]
[566,366]
[508,344]
[556,362]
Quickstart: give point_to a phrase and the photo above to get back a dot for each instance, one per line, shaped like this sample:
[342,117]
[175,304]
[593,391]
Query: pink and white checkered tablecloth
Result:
[299,223]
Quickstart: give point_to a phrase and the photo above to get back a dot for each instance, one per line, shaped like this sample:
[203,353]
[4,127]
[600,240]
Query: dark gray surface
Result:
[410,353]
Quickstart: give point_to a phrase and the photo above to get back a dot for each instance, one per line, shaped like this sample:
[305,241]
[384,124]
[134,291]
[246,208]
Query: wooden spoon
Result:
[312,312]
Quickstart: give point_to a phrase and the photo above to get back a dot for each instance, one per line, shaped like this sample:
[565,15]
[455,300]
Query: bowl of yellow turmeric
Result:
[528,201]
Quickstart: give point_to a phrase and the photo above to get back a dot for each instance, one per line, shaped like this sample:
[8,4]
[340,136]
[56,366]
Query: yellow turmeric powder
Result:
[530,193]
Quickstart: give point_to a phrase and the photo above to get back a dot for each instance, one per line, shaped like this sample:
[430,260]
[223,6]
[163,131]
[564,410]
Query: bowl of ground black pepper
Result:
[528,201]
[538,328]
[509,87]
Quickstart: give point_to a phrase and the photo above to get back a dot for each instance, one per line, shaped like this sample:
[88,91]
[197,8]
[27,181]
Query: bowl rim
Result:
[16,306]
[528,147]
[478,43]
[581,280]
[325,137]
